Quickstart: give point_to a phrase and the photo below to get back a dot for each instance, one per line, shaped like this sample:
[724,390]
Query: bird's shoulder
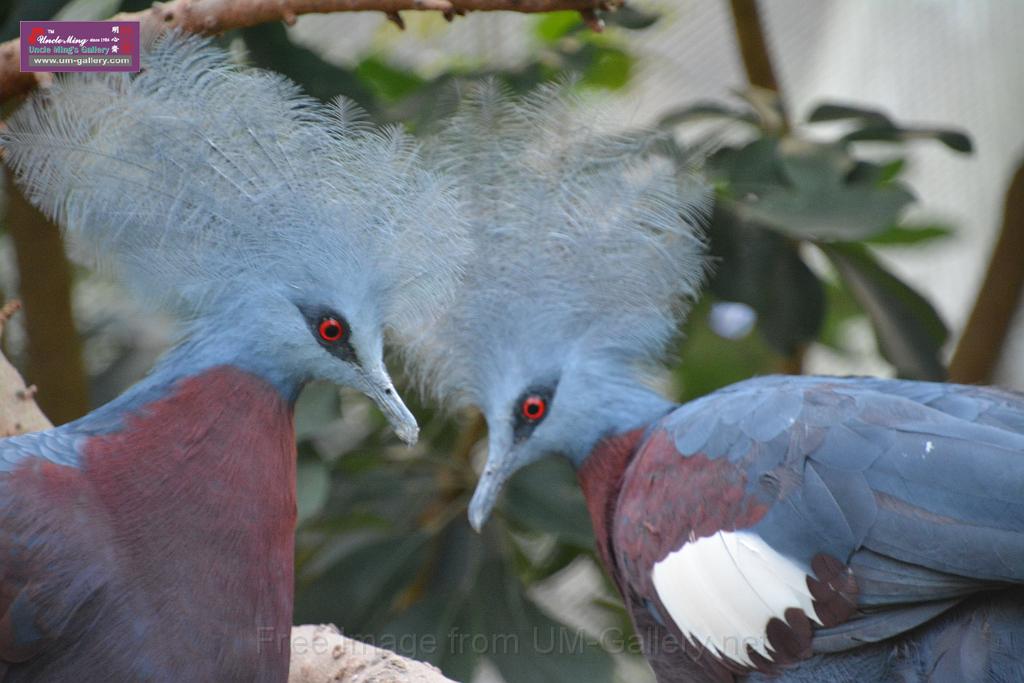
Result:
[59,445]
[63,445]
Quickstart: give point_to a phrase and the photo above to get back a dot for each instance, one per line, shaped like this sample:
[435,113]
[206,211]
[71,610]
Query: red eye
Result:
[534,408]
[331,330]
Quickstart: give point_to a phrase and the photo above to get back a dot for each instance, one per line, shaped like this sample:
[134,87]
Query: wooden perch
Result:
[981,344]
[320,654]
[18,410]
[217,16]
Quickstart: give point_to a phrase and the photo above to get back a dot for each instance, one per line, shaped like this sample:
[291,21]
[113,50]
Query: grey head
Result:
[586,253]
[285,235]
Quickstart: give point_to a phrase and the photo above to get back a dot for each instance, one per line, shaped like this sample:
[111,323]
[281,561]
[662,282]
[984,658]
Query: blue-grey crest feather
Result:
[198,177]
[583,239]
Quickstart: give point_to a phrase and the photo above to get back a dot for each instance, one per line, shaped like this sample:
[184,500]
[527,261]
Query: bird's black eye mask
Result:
[530,409]
[332,331]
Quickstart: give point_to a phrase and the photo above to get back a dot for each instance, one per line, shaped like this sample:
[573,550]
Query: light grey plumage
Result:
[197,179]
[224,196]
[584,238]
[587,249]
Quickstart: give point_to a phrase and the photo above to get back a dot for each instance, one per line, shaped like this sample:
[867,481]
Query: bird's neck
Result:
[193,357]
[613,410]
[601,470]
[601,477]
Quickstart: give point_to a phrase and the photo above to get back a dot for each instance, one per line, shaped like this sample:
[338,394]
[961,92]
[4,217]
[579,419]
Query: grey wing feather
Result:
[917,487]
[56,445]
[877,627]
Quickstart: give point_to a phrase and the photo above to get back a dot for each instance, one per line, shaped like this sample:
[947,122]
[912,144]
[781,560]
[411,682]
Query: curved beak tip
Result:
[403,422]
[477,518]
[408,432]
[482,503]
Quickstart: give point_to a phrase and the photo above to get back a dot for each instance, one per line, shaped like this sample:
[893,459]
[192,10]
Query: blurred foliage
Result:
[383,548]
[782,192]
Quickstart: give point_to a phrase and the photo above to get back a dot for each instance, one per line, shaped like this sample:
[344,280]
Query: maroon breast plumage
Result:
[168,555]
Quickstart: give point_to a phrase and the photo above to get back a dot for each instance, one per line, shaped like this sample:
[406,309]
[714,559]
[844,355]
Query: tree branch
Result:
[217,16]
[55,362]
[753,45]
[760,72]
[981,344]
[322,653]
[18,410]
[319,653]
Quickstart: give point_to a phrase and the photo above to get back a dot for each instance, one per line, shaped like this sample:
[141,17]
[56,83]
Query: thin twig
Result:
[217,16]
[757,64]
[18,410]
[753,45]
[54,359]
[984,336]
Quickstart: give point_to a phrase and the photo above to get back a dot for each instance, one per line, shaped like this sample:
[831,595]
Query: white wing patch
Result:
[722,591]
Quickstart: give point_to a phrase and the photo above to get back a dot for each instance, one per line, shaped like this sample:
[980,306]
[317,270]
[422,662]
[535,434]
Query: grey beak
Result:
[380,388]
[492,480]
[484,497]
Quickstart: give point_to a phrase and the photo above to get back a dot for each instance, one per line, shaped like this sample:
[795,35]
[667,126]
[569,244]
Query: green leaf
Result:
[911,234]
[870,173]
[312,484]
[840,112]
[891,170]
[431,631]
[910,333]
[269,47]
[703,111]
[555,25]
[811,167]
[384,491]
[525,644]
[709,362]
[474,606]
[389,83]
[610,68]
[318,404]
[545,497]
[764,270]
[955,140]
[752,168]
[362,585]
[844,213]
[815,202]
[629,17]
[876,126]
[840,308]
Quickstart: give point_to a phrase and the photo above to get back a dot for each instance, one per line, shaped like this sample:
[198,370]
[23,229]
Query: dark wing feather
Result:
[917,487]
[49,573]
[55,445]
